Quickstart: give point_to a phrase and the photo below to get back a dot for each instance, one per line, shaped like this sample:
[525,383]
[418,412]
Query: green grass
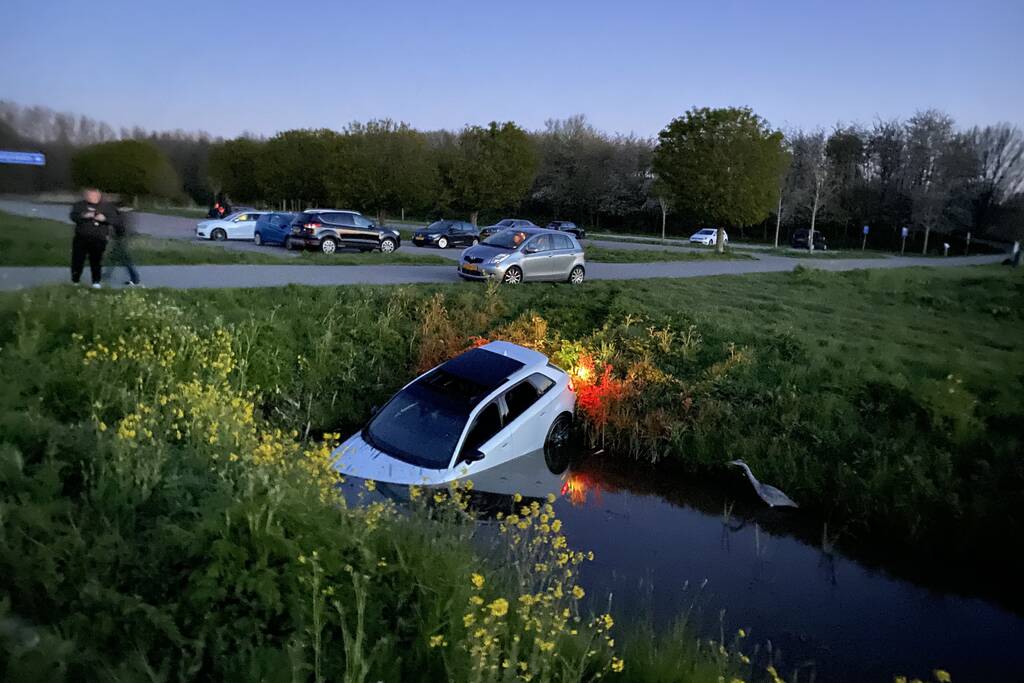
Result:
[605,255]
[39,242]
[817,254]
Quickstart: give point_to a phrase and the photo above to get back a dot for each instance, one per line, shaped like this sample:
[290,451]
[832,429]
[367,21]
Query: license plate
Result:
[470,268]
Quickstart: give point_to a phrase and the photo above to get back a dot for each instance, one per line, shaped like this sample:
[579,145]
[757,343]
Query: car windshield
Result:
[506,239]
[419,426]
[505,222]
[706,231]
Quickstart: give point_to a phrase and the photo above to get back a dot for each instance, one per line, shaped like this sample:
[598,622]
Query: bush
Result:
[131,168]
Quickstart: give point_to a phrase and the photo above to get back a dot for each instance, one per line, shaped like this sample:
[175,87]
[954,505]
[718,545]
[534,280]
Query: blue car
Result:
[272,228]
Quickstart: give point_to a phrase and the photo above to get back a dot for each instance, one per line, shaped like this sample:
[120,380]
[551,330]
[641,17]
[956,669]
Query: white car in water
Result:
[239,225]
[481,409]
[709,237]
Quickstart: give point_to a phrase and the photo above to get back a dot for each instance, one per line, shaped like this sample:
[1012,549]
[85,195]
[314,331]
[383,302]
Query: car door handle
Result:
[505,445]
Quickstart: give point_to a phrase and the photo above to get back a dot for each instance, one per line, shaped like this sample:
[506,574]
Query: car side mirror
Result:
[472,456]
[529,250]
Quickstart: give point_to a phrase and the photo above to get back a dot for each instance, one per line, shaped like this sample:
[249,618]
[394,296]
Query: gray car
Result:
[515,255]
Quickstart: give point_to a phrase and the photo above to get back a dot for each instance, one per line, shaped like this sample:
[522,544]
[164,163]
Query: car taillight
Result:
[312,225]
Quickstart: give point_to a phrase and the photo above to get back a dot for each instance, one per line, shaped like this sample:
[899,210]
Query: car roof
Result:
[332,211]
[487,368]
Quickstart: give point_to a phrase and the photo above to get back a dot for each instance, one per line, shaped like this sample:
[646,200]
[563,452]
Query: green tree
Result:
[492,168]
[294,166]
[722,165]
[128,167]
[383,166]
[233,168]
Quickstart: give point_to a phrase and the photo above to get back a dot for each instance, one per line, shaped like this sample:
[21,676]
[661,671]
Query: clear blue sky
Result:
[228,67]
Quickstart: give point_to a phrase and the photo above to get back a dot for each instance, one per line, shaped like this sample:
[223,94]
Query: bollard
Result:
[945,248]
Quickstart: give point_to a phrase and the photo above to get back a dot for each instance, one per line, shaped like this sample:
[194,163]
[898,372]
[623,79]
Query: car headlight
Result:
[497,259]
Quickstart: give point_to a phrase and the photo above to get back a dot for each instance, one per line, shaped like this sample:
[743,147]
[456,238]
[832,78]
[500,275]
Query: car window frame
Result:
[497,402]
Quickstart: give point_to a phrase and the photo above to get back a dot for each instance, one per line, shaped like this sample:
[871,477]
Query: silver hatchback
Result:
[513,256]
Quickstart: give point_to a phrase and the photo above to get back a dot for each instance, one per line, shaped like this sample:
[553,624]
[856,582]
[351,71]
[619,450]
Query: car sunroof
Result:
[482,369]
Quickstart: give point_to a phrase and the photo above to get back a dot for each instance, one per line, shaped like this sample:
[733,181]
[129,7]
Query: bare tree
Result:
[814,176]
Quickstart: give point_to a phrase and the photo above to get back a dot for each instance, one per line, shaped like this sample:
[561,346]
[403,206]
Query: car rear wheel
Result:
[329,245]
[558,445]
[387,245]
[257,239]
[576,275]
[513,276]
[442,243]
[218,235]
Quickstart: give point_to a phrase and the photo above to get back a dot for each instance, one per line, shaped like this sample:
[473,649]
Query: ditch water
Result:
[666,546]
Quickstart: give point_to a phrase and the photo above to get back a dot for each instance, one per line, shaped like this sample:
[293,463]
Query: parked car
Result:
[273,228]
[235,226]
[513,256]
[483,408]
[709,237]
[799,239]
[504,224]
[444,234]
[331,229]
[567,226]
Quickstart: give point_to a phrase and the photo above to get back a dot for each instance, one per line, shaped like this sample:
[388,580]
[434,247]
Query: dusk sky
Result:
[229,67]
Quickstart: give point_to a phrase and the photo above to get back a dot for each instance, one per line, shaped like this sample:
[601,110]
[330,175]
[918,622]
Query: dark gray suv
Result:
[331,229]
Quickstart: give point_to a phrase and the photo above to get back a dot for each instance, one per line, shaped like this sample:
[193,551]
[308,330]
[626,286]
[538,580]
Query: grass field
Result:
[40,242]
[606,255]
[816,254]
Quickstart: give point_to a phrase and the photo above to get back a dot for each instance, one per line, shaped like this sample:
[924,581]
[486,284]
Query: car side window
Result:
[361,221]
[519,398]
[563,242]
[540,243]
[486,425]
[241,219]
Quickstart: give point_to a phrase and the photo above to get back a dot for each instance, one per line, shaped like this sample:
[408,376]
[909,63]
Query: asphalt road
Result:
[213,276]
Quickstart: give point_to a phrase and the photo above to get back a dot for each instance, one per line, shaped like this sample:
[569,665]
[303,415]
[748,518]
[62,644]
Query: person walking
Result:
[93,218]
[119,253]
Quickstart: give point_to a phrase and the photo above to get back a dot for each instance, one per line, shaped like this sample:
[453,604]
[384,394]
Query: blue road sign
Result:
[26,158]
[904,232]
[866,228]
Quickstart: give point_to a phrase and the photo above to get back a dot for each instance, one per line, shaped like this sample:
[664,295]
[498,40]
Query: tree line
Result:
[709,167]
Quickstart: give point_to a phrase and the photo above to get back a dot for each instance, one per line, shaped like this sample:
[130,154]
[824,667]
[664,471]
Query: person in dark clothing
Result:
[119,253]
[221,207]
[93,218]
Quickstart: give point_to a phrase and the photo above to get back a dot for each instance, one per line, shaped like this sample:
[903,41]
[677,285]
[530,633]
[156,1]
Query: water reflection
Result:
[773,571]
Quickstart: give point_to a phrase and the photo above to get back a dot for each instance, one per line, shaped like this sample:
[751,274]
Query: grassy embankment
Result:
[166,515]
[39,242]
[606,255]
[150,519]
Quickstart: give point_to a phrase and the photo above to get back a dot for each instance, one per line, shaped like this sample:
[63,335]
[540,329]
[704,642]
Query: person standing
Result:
[93,218]
[119,253]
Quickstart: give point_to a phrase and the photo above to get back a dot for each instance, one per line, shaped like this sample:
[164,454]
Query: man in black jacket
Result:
[93,218]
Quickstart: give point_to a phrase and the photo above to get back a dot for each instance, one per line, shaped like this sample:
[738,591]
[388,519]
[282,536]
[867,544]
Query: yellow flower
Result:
[518,497]
[618,665]
[499,607]
[607,622]
[551,498]
[103,426]
[302,559]
[578,592]
[370,485]
[437,641]
[942,676]
[468,619]
[478,580]
[741,633]
[476,600]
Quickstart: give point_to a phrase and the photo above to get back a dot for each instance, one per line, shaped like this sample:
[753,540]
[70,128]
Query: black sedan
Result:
[444,234]
[505,224]
[568,226]
[799,240]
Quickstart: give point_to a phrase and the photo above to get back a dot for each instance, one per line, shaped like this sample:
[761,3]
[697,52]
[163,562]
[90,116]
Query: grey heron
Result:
[768,493]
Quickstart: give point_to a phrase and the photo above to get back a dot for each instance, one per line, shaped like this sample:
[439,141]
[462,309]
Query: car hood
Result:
[483,251]
[356,458]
